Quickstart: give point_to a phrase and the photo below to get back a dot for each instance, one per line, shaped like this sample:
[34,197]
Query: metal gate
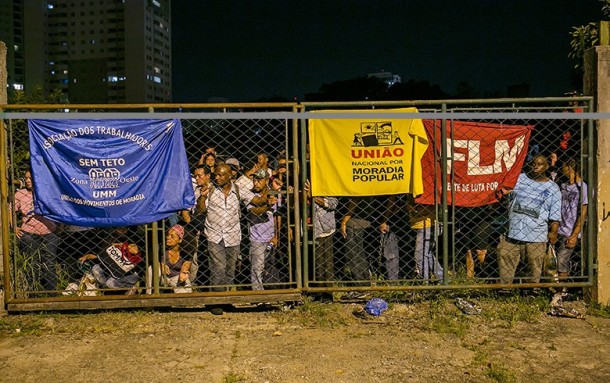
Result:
[453,247]
[444,245]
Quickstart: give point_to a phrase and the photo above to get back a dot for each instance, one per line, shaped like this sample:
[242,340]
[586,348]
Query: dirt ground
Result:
[423,340]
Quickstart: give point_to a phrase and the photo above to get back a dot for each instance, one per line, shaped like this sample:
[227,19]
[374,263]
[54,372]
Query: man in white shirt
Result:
[222,228]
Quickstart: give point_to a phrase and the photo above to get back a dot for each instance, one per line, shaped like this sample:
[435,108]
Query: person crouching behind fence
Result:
[262,225]
[533,220]
[175,266]
[118,267]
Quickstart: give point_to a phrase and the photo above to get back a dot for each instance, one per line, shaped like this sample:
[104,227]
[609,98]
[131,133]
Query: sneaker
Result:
[216,311]
[466,307]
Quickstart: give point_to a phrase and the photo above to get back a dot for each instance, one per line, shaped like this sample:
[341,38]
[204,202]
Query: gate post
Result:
[4,263]
[597,84]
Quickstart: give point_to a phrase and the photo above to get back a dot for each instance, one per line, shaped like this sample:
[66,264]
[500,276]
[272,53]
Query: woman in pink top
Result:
[37,239]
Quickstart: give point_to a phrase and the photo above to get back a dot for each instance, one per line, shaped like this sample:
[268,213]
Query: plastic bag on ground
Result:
[376,306]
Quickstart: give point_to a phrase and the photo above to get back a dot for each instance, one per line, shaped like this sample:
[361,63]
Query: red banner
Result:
[486,157]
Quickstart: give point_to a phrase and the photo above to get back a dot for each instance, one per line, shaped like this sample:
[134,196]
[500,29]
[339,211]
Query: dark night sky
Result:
[246,50]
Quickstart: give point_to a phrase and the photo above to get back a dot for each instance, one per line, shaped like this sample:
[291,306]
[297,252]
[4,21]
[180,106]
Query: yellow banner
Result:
[366,156]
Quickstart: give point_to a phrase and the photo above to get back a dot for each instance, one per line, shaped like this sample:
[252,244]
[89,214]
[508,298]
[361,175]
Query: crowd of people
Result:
[240,218]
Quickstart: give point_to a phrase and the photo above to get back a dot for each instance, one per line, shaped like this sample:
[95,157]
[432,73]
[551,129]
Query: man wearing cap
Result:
[262,225]
[235,168]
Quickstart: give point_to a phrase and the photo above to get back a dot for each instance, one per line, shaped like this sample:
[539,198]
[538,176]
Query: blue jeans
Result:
[355,253]
[41,251]
[107,280]
[222,263]
[257,264]
[324,259]
[425,257]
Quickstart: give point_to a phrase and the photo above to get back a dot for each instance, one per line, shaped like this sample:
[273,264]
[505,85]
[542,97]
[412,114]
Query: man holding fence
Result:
[222,228]
[534,215]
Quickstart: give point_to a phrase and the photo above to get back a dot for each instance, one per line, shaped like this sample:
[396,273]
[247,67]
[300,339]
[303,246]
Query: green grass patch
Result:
[81,323]
[232,378]
[22,326]
[515,310]
[314,314]
[493,370]
[500,373]
[444,318]
[599,310]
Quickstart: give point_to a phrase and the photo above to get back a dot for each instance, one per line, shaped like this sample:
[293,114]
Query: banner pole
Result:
[300,205]
[444,208]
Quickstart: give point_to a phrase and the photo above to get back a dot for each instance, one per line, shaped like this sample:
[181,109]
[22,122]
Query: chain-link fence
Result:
[455,239]
[224,246]
[264,232]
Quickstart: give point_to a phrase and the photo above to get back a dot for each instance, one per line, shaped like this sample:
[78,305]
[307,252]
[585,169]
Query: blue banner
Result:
[109,172]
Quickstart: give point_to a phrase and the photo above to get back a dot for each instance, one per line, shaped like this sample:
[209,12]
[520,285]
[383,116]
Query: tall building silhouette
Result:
[11,33]
[95,51]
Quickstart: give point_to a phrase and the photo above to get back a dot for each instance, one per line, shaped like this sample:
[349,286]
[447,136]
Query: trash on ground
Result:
[376,306]
[560,311]
[466,307]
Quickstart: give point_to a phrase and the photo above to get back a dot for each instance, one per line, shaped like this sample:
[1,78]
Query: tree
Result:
[19,141]
[358,89]
[584,37]
[416,90]
[36,97]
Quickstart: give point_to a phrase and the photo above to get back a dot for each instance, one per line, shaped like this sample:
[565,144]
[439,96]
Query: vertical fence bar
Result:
[11,190]
[4,213]
[445,233]
[289,198]
[155,254]
[451,156]
[301,252]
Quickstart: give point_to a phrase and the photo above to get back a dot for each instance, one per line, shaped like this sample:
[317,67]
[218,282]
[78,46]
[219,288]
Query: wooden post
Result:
[597,84]
[3,182]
